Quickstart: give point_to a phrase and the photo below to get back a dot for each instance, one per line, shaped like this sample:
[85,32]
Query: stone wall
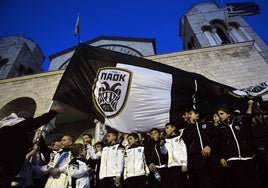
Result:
[39,87]
[237,65]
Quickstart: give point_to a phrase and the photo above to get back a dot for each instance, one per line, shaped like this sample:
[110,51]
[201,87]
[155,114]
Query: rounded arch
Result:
[217,23]
[206,28]
[19,104]
[234,24]
[221,29]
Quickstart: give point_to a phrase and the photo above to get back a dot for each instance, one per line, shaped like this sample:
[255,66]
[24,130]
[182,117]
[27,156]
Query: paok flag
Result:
[132,94]
[242,9]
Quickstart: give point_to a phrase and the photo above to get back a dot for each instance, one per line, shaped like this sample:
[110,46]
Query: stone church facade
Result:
[236,64]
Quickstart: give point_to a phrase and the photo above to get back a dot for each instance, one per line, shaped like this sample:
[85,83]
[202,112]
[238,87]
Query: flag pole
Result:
[77,28]
[225,11]
[41,131]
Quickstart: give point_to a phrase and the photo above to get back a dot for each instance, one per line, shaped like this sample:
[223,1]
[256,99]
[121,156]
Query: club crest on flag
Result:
[110,90]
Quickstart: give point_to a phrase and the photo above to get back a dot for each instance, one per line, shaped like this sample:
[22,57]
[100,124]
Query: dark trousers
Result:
[177,178]
[244,174]
[153,183]
[107,183]
[136,182]
[209,176]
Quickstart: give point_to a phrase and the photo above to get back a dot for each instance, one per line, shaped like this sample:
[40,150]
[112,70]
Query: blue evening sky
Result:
[51,23]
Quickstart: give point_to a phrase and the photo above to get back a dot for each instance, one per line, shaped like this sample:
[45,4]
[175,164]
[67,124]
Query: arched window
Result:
[208,34]
[220,30]
[236,35]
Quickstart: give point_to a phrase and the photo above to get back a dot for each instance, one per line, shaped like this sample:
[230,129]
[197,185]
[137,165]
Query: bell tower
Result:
[207,25]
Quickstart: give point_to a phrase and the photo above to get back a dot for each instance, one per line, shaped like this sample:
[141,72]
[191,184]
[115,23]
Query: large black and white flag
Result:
[132,94]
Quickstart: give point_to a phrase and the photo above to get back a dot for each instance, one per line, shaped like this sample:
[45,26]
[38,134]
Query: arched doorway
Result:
[20,104]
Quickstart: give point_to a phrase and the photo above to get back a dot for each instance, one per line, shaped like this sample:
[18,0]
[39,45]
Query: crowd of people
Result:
[230,150]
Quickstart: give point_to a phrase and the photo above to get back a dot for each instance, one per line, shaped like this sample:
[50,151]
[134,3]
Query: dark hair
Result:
[155,129]
[100,144]
[197,111]
[89,135]
[135,135]
[225,109]
[169,123]
[111,130]
[76,149]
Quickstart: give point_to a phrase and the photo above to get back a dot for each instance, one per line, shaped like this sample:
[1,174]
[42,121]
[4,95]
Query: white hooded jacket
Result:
[135,164]
[112,161]
[177,152]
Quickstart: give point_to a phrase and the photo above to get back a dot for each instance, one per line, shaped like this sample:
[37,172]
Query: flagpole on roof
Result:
[77,28]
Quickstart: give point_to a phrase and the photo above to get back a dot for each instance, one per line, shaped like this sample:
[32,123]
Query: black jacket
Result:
[153,153]
[15,143]
[238,143]
[260,136]
[192,140]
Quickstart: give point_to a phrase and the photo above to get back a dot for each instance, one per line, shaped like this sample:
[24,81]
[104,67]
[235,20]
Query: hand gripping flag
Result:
[133,94]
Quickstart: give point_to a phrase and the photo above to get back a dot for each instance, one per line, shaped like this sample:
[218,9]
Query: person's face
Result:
[83,154]
[216,118]
[66,142]
[132,140]
[97,148]
[56,146]
[86,139]
[193,116]
[155,135]
[110,138]
[185,116]
[223,115]
[170,129]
